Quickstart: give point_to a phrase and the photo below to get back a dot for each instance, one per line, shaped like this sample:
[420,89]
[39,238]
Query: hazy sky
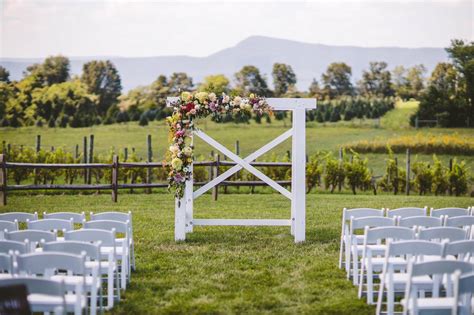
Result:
[38,28]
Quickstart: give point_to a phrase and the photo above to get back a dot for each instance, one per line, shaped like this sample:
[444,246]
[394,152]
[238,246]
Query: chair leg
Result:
[93,300]
[355,267]
[361,279]
[380,296]
[341,250]
[117,281]
[133,256]
[110,289]
[123,272]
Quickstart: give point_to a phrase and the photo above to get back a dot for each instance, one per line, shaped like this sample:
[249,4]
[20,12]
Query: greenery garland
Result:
[186,110]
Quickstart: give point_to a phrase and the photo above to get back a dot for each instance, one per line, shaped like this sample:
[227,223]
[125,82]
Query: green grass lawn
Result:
[399,118]
[245,270]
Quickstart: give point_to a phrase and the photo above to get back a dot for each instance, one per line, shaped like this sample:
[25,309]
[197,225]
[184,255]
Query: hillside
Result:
[308,60]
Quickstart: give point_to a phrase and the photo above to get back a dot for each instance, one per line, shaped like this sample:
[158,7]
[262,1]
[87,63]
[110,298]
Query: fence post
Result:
[408,173]
[3,180]
[85,160]
[38,143]
[341,157]
[416,122]
[114,178]
[395,186]
[91,157]
[215,189]
[211,168]
[237,147]
[150,159]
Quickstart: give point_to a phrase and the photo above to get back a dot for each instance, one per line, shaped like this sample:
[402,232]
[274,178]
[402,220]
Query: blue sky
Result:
[38,28]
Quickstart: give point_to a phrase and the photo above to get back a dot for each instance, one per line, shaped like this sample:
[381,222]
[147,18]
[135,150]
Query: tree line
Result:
[49,95]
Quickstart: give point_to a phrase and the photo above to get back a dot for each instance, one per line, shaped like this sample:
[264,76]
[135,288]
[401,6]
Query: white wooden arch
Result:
[184,216]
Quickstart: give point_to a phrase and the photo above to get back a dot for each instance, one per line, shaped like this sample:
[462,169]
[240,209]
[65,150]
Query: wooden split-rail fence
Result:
[115,168]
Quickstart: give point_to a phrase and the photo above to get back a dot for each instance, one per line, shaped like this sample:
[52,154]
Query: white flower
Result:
[197,107]
[212,97]
[226,99]
[201,96]
[188,151]
[237,100]
[174,149]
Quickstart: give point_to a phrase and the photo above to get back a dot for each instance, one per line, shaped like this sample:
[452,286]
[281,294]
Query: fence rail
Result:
[115,166]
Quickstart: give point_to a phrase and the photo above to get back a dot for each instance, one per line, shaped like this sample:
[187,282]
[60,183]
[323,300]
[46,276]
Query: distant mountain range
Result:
[308,61]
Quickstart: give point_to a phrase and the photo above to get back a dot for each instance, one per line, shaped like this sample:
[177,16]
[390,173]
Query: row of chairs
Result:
[96,239]
[407,217]
[384,248]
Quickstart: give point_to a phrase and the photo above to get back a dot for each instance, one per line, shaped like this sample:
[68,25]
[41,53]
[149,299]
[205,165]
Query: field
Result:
[329,136]
[228,270]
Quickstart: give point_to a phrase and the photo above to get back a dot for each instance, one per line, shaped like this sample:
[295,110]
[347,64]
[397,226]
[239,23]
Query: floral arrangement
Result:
[186,110]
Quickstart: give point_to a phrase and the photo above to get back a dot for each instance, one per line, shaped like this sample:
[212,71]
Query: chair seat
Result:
[104,266]
[438,304]
[375,249]
[44,303]
[401,279]
[105,250]
[378,262]
[72,281]
[5,276]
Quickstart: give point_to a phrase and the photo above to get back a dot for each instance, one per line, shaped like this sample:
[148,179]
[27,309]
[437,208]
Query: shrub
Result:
[423,177]
[314,170]
[458,178]
[335,173]
[357,173]
[440,177]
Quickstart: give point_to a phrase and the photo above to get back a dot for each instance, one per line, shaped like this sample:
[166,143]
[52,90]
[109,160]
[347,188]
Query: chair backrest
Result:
[361,223]
[460,248]
[8,225]
[37,286]
[21,247]
[443,233]
[92,251]
[414,248]
[440,267]
[450,212]
[77,218]
[6,263]
[388,232]
[112,215]
[107,238]
[460,221]
[120,227]
[407,212]
[422,221]
[39,263]
[361,212]
[18,216]
[466,284]
[51,225]
[31,235]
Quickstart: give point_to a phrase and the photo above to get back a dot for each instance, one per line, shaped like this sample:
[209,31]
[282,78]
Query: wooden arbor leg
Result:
[298,175]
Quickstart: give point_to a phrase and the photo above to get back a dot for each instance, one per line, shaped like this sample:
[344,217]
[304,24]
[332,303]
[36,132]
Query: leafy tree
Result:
[376,81]
[409,83]
[283,78]
[249,80]
[180,82]
[103,80]
[143,120]
[337,80]
[314,89]
[462,55]
[215,83]
[4,75]
[54,69]
[160,90]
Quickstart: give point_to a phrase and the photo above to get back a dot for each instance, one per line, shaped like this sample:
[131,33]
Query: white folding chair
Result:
[15,246]
[460,250]
[122,217]
[463,293]
[52,225]
[92,264]
[355,242]
[449,212]
[123,245]
[413,304]
[9,226]
[407,212]
[465,222]
[35,237]
[77,218]
[108,266]
[18,216]
[51,265]
[369,263]
[43,295]
[344,249]
[395,282]
[420,221]
[448,233]
[6,266]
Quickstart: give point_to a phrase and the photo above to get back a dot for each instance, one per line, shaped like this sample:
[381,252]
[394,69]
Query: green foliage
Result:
[423,177]
[54,69]
[102,79]
[337,80]
[440,177]
[357,173]
[143,120]
[249,80]
[283,78]
[376,81]
[408,83]
[179,82]
[458,178]
[314,171]
[334,173]
[4,75]
[394,178]
[217,84]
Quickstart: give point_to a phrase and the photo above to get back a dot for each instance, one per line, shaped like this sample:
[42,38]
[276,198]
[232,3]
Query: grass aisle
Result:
[222,270]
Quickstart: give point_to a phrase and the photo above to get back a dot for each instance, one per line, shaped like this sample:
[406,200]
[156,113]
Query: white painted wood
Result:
[189,198]
[180,220]
[298,175]
[242,222]
[291,103]
[248,159]
[243,163]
